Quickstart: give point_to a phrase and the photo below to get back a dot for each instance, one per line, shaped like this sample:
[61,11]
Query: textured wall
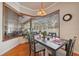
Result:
[68,29]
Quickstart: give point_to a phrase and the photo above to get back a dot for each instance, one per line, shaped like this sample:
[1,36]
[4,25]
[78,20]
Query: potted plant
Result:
[44,34]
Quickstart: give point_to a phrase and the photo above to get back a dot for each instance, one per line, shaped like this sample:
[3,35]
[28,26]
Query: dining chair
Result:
[52,34]
[68,49]
[35,47]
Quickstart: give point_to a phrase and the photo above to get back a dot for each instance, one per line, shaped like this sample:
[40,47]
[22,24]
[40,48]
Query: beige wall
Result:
[68,29]
[1,11]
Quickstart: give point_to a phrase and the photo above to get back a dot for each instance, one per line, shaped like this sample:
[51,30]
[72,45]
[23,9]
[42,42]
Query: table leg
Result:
[54,53]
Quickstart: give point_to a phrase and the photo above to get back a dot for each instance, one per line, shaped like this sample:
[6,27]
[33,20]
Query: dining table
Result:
[52,43]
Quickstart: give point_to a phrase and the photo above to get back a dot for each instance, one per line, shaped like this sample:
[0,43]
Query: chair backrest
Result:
[31,42]
[70,47]
[52,34]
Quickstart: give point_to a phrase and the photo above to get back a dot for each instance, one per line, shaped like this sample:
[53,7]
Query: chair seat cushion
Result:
[60,52]
[39,47]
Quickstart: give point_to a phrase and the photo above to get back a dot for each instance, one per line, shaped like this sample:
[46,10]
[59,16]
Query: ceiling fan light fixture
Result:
[41,11]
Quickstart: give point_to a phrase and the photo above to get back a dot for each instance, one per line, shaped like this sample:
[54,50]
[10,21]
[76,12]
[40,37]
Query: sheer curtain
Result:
[48,23]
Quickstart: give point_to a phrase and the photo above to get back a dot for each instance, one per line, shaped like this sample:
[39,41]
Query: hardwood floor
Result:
[20,50]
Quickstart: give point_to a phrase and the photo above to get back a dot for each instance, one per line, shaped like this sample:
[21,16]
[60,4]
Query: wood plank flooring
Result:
[20,50]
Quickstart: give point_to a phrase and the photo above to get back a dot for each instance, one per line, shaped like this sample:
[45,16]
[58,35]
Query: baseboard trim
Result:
[14,47]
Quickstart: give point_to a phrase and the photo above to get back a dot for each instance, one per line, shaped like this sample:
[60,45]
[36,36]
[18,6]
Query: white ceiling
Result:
[35,5]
